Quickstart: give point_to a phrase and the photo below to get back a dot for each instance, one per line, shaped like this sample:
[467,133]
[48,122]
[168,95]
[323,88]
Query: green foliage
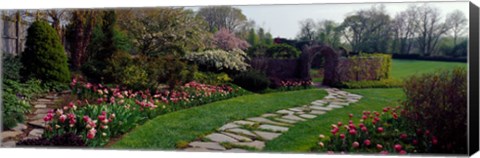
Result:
[432,97]
[383,83]
[282,51]
[258,50]
[11,67]
[252,80]
[44,57]
[219,60]
[133,77]
[365,67]
[211,78]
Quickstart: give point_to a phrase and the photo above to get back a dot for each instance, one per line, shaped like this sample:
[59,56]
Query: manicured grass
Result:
[402,69]
[165,131]
[304,135]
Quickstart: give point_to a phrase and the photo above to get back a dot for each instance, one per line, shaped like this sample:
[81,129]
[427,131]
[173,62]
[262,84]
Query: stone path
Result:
[252,133]
[34,126]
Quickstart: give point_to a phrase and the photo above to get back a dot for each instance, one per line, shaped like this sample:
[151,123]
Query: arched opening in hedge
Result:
[330,58]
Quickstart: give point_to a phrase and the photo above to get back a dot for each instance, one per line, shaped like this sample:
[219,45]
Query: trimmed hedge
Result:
[385,83]
[364,67]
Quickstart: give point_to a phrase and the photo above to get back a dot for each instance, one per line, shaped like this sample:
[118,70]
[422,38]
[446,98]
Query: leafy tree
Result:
[253,38]
[165,30]
[79,33]
[218,17]
[328,33]
[44,57]
[282,51]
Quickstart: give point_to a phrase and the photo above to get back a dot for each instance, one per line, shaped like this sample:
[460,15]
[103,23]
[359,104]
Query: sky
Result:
[283,20]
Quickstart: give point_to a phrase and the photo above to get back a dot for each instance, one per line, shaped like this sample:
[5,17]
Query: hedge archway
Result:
[330,65]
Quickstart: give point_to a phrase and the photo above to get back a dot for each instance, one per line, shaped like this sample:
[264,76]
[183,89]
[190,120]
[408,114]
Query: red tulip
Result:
[403,152]
[434,141]
[415,142]
[427,132]
[379,129]
[339,123]
[379,146]
[355,144]
[352,131]
[419,131]
[364,117]
[62,118]
[367,142]
[403,136]
[342,136]
[398,147]
[384,152]
[350,115]
[364,129]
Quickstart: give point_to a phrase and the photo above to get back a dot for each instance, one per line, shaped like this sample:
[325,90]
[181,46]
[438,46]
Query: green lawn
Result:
[165,131]
[405,68]
[304,135]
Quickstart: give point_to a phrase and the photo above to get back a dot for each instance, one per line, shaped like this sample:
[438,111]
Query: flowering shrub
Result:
[290,84]
[220,60]
[379,132]
[103,112]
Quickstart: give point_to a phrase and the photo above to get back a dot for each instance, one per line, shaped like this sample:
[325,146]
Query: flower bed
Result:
[103,112]
[378,132]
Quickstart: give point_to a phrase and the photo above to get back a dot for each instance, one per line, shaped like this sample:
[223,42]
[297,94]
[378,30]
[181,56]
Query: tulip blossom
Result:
[367,142]
[403,136]
[397,147]
[379,129]
[352,132]
[403,152]
[62,118]
[379,146]
[91,133]
[355,144]
[342,136]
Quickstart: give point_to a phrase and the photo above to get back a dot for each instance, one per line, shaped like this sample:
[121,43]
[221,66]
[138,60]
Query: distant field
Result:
[405,68]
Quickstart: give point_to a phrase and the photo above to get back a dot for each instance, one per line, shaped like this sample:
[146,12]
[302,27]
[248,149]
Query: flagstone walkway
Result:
[252,133]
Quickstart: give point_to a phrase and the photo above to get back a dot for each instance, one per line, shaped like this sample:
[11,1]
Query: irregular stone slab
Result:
[242,122]
[238,137]
[307,116]
[20,127]
[207,145]
[51,97]
[267,135]
[293,117]
[237,150]
[269,115]
[320,108]
[217,137]
[37,123]
[41,111]
[299,113]
[9,144]
[259,145]
[296,109]
[273,128]
[264,120]
[196,149]
[334,106]
[40,106]
[228,126]
[285,112]
[38,116]
[36,133]
[285,120]
[43,100]
[242,132]
[339,103]
[9,134]
[317,112]
[318,104]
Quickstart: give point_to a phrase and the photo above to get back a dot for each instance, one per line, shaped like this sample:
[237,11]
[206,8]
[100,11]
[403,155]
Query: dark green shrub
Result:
[252,80]
[282,51]
[439,101]
[258,50]
[11,67]
[13,110]
[64,140]
[211,78]
[384,83]
[44,57]
[94,70]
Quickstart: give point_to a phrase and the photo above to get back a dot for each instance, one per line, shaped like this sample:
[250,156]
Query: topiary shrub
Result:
[252,80]
[439,101]
[282,51]
[44,57]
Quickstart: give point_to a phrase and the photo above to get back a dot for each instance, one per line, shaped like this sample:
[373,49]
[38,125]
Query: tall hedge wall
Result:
[364,67]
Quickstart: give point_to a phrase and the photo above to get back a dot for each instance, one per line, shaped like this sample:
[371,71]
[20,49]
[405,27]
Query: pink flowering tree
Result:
[226,40]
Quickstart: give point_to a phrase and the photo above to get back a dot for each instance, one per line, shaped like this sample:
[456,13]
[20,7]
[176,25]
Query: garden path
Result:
[35,124]
[252,133]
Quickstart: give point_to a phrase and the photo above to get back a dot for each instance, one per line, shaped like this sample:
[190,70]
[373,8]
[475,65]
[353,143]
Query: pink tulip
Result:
[367,142]
[364,129]
[379,129]
[398,147]
[352,132]
[403,152]
[403,136]
[62,118]
[355,144]
[379,146]
[342,136]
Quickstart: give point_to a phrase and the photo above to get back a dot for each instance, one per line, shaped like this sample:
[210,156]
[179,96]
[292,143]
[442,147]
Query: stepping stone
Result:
[217,137]
[20,127]
[207,145]
[320,108]
[236,150]
[307,116]
[228,126]
[273,128]
[238,137]
[339,103]
[242,122]
[264,120]
[293,117]
[318,104]
[43,100]
[41,111]
[40,106]
[66,92]
[51,97]
[9,144]
[37,123]
[296,109]
[259,145]
[317,112]
[299,113]
[285,120]
[242,132]
[9,134]
[38,116]
[285,112]
[267,135]
[334,106]
[269,115]
[36,133]
[196,149]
